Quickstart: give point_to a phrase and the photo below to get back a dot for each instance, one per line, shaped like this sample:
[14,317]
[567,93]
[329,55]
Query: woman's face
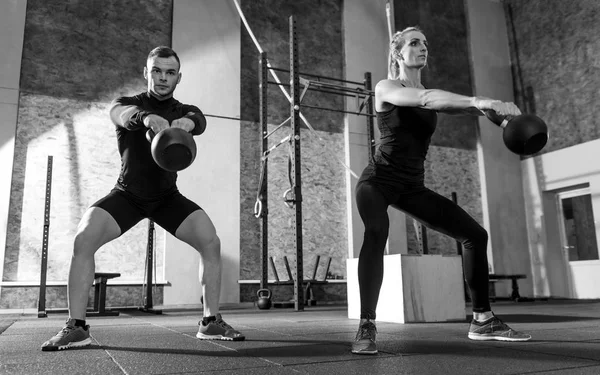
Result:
[414,52]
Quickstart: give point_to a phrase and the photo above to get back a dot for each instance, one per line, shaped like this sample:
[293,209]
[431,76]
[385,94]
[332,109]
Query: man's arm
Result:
[195,114]
[124,112]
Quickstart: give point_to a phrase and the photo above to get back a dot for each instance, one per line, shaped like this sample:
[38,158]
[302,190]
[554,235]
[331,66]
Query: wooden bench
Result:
[515,296]
[100,279]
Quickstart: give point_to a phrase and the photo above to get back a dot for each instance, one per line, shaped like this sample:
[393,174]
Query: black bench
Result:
[100,279]
[515,296]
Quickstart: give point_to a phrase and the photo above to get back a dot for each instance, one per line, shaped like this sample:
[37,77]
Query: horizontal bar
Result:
[337,93]
[318,76]
[225,117]
[361,93]
[275,282]
[337,87]
[336,110]
[23,284]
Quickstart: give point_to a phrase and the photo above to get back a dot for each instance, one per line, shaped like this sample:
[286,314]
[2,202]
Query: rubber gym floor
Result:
[566,340]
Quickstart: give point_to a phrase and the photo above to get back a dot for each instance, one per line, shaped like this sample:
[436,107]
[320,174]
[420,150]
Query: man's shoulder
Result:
[129,100]
[179,104]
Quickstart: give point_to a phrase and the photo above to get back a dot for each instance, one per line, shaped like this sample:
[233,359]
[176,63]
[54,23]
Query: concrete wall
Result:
[543,177]
[206,35]
[501,180]
[320,51]
[366,41]
[12,27]
[556,60]
[62,112]
[556,63]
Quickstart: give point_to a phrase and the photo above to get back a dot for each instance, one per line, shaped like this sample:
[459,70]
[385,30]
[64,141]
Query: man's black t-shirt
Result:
[140,175]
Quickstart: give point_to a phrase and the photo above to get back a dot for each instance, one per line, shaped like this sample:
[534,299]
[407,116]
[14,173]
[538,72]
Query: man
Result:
[144,190]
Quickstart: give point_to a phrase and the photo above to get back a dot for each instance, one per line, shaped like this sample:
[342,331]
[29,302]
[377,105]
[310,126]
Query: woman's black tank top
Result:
[405,136]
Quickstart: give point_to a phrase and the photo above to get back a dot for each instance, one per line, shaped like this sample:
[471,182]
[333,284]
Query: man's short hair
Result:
[163,51]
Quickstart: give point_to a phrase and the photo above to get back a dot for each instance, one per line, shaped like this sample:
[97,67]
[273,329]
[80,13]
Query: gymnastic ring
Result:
[288,201]
[258,209]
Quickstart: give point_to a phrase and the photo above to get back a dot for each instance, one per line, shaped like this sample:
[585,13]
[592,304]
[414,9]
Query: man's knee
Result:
[207,246]
[86,242]
[95,229]
[213,243]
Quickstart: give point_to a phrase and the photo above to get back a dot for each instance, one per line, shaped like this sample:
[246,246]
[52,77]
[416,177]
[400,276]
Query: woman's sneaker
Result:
[495,329]
[365,341]
[218,330]
[69,337]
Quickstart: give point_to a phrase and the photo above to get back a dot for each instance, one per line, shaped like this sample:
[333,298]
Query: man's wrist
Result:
[143,115]
[193,120]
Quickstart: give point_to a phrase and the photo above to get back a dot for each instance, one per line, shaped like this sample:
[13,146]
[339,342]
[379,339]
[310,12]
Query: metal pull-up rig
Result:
[298,87]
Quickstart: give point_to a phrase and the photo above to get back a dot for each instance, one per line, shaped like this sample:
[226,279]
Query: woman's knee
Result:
[375,239]
[376,231]
[478,237]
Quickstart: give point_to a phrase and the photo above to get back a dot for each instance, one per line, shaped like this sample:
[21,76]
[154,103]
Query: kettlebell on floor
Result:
[264,299]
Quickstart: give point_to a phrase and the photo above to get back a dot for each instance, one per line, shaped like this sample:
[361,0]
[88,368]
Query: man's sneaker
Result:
[495,329]
[69,337]
[364,343]
[218,330]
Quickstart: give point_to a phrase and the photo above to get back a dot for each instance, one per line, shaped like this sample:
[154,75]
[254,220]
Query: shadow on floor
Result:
[5,323]
[313,348]
[396,347]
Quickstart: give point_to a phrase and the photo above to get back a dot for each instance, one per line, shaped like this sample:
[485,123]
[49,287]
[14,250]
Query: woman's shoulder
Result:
[389,83]
[397,83]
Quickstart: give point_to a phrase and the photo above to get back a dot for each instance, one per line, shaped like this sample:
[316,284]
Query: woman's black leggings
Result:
[435,212]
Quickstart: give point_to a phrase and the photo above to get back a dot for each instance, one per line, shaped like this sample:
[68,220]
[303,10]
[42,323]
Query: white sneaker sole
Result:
[202,336]
[480,337]
[365,352]
[70,345]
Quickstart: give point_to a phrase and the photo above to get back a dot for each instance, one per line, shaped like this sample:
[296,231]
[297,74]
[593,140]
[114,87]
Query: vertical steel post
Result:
[424,243]
[263,195]
[369,109]
[296,164]
[45,235]
[150,256]
[148,305]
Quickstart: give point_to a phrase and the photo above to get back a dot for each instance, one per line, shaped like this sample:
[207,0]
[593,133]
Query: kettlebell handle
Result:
[267,291]
[497,119]
[150,135]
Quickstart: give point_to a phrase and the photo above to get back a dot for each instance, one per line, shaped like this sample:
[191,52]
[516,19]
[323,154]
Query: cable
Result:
[285,93]
[388,13]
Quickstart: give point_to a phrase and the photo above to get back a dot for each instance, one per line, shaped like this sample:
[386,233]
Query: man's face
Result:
[162,74]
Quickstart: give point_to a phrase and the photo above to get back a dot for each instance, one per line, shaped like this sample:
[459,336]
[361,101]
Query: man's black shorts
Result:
[168,211]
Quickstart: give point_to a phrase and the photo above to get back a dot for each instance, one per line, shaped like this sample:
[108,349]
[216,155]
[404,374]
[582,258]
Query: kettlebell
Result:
[524,134]
[264,299]
[173,149]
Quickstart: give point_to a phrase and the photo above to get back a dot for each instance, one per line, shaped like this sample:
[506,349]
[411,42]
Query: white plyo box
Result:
[415,288]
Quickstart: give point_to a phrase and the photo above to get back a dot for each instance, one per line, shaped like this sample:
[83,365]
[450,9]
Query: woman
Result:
[406,117]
